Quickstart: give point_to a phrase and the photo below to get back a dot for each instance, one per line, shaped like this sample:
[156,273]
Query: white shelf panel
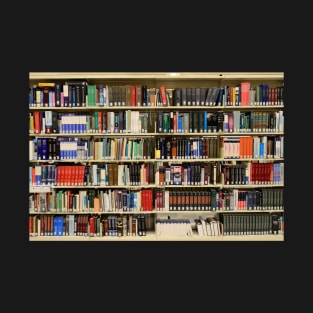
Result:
[278,237]
[157,75]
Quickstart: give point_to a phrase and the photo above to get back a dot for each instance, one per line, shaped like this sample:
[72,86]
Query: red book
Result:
[245,93]
[37,122]
[175,117]
[92,221]
[144,200]
[100,122]
[133,96]
[150,200]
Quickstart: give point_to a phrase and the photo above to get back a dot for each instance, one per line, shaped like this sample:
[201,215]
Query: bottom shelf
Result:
[153,237]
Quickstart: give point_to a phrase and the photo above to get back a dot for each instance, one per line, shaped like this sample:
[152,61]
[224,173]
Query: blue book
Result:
[180,123]
[200,148]
[261,154]
[55,225]
[205,121]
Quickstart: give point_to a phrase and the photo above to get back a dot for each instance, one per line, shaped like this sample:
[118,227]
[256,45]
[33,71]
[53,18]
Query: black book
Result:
[83,90]
[121,120]
[201,121]
[144,99]
[163,148]
[188,96]
[58,90]
[72,96]
[78,93]
[203,91]
[193,96]
[177,101]
[219,100]
[160,122]
[190,122]
[142,222]
[195,122]
[51,151]
[208,96]
[123,95]
[220,121]
[55,122]
[214,95]
[171,122]
[197,90]
[110,98]
[184,96]
[168,144]
[178,148]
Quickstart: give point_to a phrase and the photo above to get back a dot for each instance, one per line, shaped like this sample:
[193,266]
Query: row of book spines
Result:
[87,225]
[92,201]
[241,224]
[252,224]
[209,227]
[110,174]
[47,148]
[44,148]
[216,200]
[173,227]
[193,148]
[229,122]
[91,95]
[85,94]
[242,94]
[227,174]
[113,174]
[159,200]
[253,147]
[167,122]
[253,173]
[51,122]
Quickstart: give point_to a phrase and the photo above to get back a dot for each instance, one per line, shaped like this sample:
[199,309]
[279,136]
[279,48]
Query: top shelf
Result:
[159,75]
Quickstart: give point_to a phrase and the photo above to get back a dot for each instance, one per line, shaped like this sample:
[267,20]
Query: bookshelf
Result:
[110,159]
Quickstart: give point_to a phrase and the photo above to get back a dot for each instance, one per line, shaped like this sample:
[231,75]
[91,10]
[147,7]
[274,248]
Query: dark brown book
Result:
[134,226]
[111,174]
[138,95]
[128,95]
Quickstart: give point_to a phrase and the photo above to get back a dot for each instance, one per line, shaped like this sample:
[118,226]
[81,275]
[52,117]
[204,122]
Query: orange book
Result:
[161,175]
[174,148]
[96,204]
[163,95]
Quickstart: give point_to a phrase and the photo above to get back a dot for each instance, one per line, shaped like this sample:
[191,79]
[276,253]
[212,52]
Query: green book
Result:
[166,122]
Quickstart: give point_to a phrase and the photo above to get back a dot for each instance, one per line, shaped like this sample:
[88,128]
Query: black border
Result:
[227,265]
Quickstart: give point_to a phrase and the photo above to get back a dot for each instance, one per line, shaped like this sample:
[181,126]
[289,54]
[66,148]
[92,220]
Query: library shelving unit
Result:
[155,156]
